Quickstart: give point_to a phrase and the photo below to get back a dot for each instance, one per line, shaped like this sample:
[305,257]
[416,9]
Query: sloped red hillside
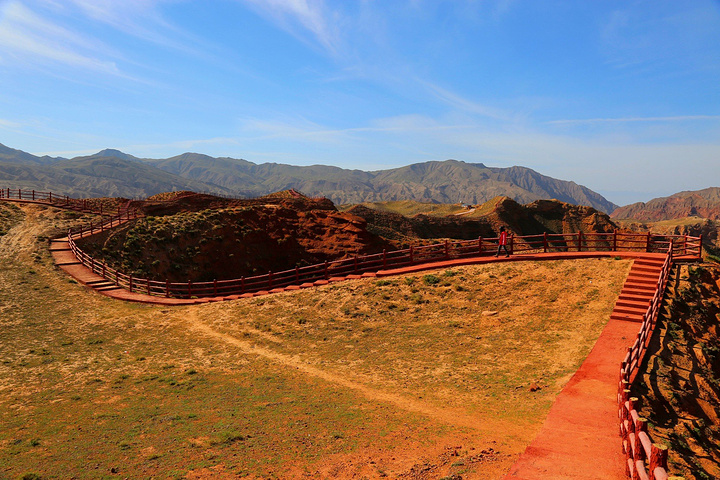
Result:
[701,203]
[201,237]
[540,216]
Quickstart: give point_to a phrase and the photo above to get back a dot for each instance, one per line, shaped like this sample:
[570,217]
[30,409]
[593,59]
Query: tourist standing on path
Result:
[502,242]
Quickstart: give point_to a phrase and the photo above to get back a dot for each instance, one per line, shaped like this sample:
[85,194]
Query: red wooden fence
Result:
[636,443]
[450,249]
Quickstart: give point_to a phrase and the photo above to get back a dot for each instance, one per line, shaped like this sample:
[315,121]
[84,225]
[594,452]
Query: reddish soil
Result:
[201,237]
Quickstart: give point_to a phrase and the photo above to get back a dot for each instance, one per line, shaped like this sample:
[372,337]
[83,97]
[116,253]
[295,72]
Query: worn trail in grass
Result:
[446,416]
[450,372]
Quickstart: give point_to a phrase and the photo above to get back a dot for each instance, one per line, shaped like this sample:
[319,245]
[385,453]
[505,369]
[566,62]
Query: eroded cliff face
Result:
[551,216]
[187,236]
[681,380]
[182,238]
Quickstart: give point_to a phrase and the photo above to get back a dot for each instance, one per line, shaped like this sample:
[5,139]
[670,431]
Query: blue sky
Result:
[620,96]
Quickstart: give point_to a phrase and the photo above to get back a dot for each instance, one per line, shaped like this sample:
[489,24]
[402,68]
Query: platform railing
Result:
[644,459]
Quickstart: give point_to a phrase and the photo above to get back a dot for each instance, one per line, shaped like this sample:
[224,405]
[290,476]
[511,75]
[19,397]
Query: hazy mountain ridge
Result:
[449,181]
[112,172]
[90,176]
[699,203]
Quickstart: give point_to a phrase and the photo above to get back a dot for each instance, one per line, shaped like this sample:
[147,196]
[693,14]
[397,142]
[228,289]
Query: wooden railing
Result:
[84,205]
[636,443]
[358,264]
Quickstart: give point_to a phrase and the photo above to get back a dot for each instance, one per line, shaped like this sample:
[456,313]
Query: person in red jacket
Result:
[502,242]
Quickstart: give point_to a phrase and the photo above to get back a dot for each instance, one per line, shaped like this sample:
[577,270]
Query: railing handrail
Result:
[636,442]
[547,242]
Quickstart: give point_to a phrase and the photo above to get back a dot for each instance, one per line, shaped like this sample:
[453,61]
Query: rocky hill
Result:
[701,203]
[196,237]
[199,237]
[549,216]
[111,172]
[450,181]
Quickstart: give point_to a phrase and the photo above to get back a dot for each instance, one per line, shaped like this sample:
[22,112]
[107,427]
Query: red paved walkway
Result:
[579,439]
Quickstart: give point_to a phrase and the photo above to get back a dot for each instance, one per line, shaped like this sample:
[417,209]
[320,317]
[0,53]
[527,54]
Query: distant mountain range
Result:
[701,203]
[114,173]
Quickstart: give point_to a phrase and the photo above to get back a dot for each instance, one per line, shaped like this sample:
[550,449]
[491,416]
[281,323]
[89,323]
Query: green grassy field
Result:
[426,376]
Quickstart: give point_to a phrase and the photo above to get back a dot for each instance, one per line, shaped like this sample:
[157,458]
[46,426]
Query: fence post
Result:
[411,254]
[148,286]
[384,258]
[269,279]
[685,245]
[512,242]
[326,269]
[103,270]
[615,240]
[658,458]
[167,288]
[580,239]
[700,246]
[447,250]
[50,197]
[545,243]
[647,245]
[131,283]
[297,274]
[638,447]
[480,245]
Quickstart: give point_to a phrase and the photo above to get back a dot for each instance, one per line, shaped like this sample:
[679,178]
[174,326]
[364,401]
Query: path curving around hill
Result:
[579,437]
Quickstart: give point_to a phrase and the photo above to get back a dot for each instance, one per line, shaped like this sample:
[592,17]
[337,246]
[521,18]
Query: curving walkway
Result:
[579,438]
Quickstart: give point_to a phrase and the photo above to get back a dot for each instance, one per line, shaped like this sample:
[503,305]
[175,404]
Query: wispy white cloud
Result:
[296,15]
[636,38]
[8,124]
[464,104]
[24,34]
[680,118]
[142,19]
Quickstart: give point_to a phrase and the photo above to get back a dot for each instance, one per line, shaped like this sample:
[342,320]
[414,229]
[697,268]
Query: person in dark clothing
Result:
[502,242]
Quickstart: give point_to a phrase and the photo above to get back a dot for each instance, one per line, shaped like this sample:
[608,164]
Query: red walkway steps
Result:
[579,438]
[638,290]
